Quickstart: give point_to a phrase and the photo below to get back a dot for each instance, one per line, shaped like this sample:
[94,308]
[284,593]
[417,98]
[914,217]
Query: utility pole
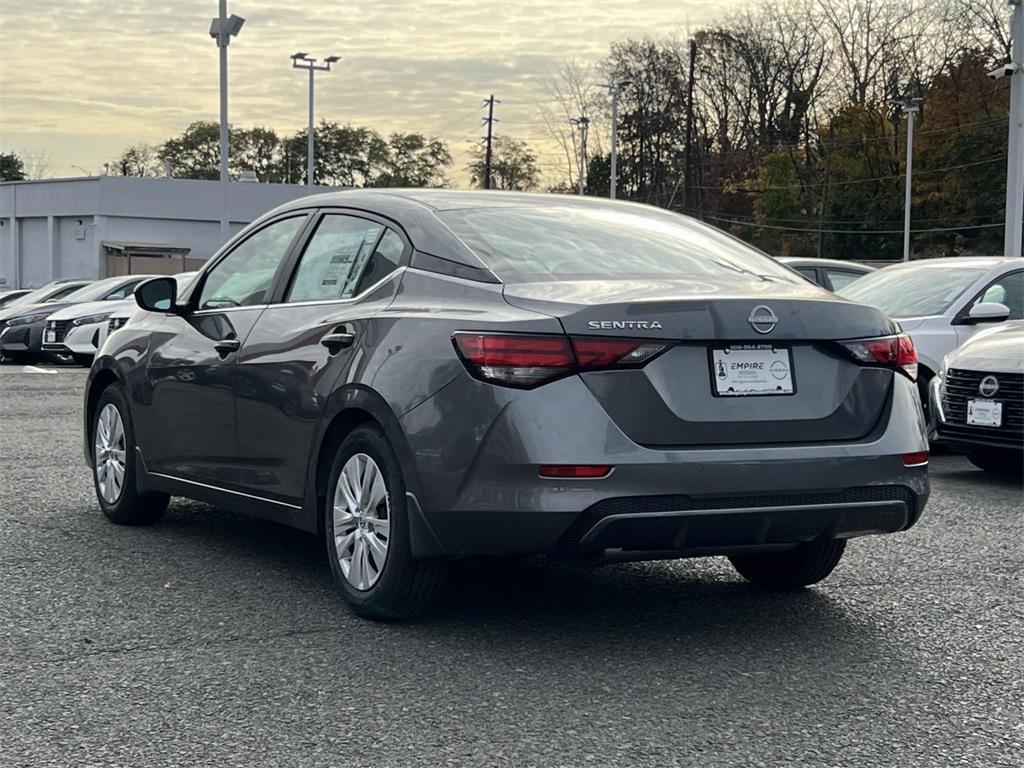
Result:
[302,60]
[490,120]
[910,107]
[583,124]
[688,165]
[1014,238]
[222,29]
[614,90]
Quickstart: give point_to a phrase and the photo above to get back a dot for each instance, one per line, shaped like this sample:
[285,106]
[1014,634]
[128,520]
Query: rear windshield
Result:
[912,291]
[572,242]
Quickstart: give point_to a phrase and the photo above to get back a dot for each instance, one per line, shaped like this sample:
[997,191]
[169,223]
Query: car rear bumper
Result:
[683,526]
[688,501]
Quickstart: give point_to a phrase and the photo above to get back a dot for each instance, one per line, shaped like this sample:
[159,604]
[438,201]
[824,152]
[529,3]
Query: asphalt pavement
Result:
[211,639]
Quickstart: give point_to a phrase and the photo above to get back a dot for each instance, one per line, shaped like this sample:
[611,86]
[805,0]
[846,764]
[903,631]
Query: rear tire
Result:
[112,438]
[998,462]
[801,566]
[366,531]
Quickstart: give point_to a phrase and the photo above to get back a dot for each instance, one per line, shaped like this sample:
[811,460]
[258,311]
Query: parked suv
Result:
[422,375]
[978,399]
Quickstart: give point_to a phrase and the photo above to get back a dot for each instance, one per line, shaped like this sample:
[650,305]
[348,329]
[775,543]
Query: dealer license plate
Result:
[984,413]
[50,337]
[752,369]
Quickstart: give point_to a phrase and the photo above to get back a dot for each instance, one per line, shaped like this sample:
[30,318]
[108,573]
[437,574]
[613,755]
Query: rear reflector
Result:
[529,360]
[579,471]
[595,352]
[919,459]
[896,352]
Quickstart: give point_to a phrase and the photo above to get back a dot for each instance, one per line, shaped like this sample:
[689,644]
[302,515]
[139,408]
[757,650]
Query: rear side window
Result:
[565,242]
[840,278]
[345,255]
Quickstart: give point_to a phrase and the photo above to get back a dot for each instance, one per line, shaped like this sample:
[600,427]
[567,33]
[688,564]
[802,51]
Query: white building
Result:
[108,225]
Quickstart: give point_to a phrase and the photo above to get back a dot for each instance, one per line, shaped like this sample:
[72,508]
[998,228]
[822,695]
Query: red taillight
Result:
[517,360]
[918,459]
[528,360]
[578,471]
[896,352]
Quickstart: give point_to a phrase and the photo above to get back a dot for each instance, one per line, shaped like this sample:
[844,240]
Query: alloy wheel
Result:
[109,453]
[362,521]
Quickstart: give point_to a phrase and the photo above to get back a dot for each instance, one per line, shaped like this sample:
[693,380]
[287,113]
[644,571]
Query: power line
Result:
[817,231]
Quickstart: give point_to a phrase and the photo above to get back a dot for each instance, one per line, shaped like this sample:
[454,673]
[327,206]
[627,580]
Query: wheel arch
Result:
[349,408]
[102,376]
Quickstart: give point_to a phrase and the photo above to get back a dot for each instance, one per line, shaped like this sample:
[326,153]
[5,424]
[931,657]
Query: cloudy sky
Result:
[82,79]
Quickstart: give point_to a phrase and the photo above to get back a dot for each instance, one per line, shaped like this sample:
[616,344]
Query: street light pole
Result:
[1014,238]
[614,89]
[910,108]
[222,29]
[302,60]
[583,123]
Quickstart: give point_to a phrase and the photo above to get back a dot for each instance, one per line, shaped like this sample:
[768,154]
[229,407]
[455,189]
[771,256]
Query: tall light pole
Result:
[222,29]
[614,89]
[583,123]
[910,108]
[302,60]
[1014,238]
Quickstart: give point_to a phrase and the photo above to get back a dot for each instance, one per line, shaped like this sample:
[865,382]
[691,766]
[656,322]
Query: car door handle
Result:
[226,346]
[338,339]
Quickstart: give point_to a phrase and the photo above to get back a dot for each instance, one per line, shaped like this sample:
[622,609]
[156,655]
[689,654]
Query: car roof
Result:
[953,261]
[810,261]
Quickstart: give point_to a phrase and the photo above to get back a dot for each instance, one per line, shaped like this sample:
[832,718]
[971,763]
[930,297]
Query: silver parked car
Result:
[978,399]
[941,303]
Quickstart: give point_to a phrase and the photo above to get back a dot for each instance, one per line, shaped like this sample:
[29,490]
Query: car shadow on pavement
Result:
[696,603]
[986,480]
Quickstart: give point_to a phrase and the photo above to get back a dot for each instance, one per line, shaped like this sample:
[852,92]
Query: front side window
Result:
[1008,290]
[243,277]
[341,250]
[123,292]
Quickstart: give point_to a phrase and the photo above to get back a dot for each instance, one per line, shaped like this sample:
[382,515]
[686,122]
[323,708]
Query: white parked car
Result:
[74,329]
[125,309]
[942,303]
[977,399]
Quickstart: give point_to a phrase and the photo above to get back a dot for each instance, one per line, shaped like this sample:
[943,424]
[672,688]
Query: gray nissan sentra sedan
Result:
[422,375]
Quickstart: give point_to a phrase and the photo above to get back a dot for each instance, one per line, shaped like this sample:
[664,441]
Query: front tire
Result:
[998,462]
[801,566]
[113,464]
[367,533]
[83,360]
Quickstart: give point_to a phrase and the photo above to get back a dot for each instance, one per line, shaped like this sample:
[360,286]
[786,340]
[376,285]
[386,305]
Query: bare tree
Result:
[572,92]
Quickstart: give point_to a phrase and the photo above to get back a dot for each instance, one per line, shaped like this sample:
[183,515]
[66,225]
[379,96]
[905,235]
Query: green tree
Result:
[196,153]
[412,160]
[11,167]
[513,166]
[256,149]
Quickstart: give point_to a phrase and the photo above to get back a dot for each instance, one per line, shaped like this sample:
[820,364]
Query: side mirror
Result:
[988,312]
[159,294]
